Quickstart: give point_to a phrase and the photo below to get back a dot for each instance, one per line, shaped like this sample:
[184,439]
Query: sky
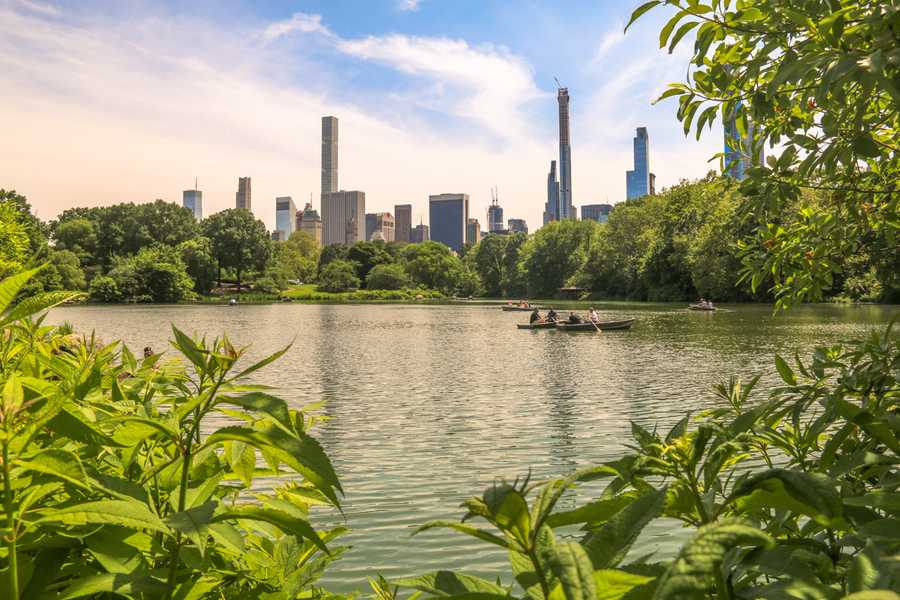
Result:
[131,100]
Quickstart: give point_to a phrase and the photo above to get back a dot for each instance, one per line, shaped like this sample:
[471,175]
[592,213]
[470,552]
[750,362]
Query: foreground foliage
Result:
[794,496]
[115,480]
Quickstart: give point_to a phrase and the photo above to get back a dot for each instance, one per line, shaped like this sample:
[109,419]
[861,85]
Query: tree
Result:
[199,262]
[432,265]
[61,272]
[332,252]
[554,254]
[79,236]
[291,264]
[387,277]
[304,244]
[338,276]
[34,228]
[239,241]
[819,81]
[366,255]
[488,258]
[152,275]
[104,289]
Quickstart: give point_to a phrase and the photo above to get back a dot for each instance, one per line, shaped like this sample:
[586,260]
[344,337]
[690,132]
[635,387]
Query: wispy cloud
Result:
[37,7]
[299,22]
[608,41]
[408,5]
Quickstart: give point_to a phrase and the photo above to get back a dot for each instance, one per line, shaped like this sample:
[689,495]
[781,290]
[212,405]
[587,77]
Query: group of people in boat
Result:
[520,304]
[704,303]
[553,317]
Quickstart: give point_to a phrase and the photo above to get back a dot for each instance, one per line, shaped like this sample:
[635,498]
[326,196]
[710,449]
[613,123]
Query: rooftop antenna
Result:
[558,84]
[195,184]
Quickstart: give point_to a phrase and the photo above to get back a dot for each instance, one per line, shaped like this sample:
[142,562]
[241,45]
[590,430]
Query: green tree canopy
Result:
[366,255]
[14,243]
[387,277]
[338,276]
[555,253]
[239,241]
[432,265]
[197,256]
[305,244]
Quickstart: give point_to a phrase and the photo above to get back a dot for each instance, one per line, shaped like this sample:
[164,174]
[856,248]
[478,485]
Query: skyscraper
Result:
[566,210]
[329,155]
[382,223]
[402,222]
[738,150]
[285,213]
[473,231]
[637,182]
[551,209]
[596,212]
[242,197]
[193,200]
[448,217]
[343,217]
[308,220]
[495,213]
[419,234]
[518,225]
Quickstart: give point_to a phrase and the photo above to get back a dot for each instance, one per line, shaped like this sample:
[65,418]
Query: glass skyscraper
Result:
[285,216]
[448,217]
[551,209]
[566,210]
[637,182]
[193,200]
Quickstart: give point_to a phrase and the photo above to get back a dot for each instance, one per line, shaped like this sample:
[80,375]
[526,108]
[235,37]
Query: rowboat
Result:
[510,308]
[701,307]
[602,325]
[537,325]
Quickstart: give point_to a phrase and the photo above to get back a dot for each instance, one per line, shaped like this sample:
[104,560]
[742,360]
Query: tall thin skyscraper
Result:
[551,209]
[242,197]
[637,182]
[402,222]
[329,155]
[566,210]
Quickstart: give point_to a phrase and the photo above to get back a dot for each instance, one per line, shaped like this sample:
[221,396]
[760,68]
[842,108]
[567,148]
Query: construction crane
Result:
[558,84]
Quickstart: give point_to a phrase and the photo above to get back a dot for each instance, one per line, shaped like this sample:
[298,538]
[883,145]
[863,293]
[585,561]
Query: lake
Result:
[431,404]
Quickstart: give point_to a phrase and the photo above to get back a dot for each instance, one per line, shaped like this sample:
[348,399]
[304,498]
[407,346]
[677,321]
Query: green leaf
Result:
[10,286]
[666,31]
[59,464]
[608,545]
[640,10]
[574,570]
[873,595]
[597,511]
[613,584]
[185,344]
[113,512]
[682,31]
[787,374]
[36,304]
[481,534]
[120,584]
[287,523]
[509,511]
[119,550]
[261,402]
[266,361]
[691,574]
[809,494]
[194,523]
[864,145]
[448,583]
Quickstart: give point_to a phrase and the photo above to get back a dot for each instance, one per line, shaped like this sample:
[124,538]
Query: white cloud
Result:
[301,22]
[408,5]
[37,7]
[608,41]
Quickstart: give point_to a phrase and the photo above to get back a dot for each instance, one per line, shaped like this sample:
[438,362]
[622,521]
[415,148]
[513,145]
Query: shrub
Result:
[338,276]
[153,275]
[104,289]
[387,277]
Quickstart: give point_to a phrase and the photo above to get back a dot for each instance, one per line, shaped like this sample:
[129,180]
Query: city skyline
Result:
[477,105]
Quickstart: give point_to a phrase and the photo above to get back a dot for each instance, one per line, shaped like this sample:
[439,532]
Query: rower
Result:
[535,316]
[551,315]
[573,318]
[593,316]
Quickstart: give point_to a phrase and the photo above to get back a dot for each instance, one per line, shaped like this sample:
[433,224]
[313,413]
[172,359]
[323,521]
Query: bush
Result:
[104,289]
[387,277]
[338,276]
[153,275]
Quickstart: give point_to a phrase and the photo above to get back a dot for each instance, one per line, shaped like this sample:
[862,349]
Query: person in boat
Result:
[574,318]
[148,351]
[535,317]
[551,315]
[593,316]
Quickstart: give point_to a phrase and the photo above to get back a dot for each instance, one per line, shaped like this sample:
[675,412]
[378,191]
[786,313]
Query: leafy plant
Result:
[116,480]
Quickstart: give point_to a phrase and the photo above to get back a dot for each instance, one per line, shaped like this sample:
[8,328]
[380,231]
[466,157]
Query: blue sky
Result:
[130,100]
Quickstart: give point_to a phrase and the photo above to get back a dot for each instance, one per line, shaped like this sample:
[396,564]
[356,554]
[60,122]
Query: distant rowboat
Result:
[701,307]
[510,308]
[602,325]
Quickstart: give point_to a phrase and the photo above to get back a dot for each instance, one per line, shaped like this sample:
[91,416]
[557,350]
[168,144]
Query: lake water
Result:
[431,404]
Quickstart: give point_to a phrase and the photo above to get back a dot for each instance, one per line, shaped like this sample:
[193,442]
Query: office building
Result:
[381,223]
[285,215]
[193,200]
[402,222]
[566,210]
[329,155]
[739,151]
[637,181]
[343,217]
[652,184]
[308,220]
[596,212]
[473,231]
[551,209]
[278,236]
[448,217]
[242,197]
[518,226]
[419,234]
[495,214]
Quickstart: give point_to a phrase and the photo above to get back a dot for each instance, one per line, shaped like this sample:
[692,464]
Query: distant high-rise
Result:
[193,200]
[402,222]
[343,217]
[381,223]
[652,184]
[329,155]
[448,217]
[473,231]
[551,209]
[637,182]
[566,210]
[596,212]
[242,197]
[495,213]
[518,226]
[419,234]
[285,214]
[738,150]
[308,220]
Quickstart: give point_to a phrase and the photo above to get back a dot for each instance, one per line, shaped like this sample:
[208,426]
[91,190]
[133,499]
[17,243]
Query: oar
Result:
[597,327]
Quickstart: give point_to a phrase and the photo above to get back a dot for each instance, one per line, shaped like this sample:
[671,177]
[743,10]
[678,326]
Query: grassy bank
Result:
[310,293]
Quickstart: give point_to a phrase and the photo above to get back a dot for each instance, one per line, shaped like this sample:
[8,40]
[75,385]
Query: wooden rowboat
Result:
[509,308]
[700,307]
[602,325]
[538,325]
